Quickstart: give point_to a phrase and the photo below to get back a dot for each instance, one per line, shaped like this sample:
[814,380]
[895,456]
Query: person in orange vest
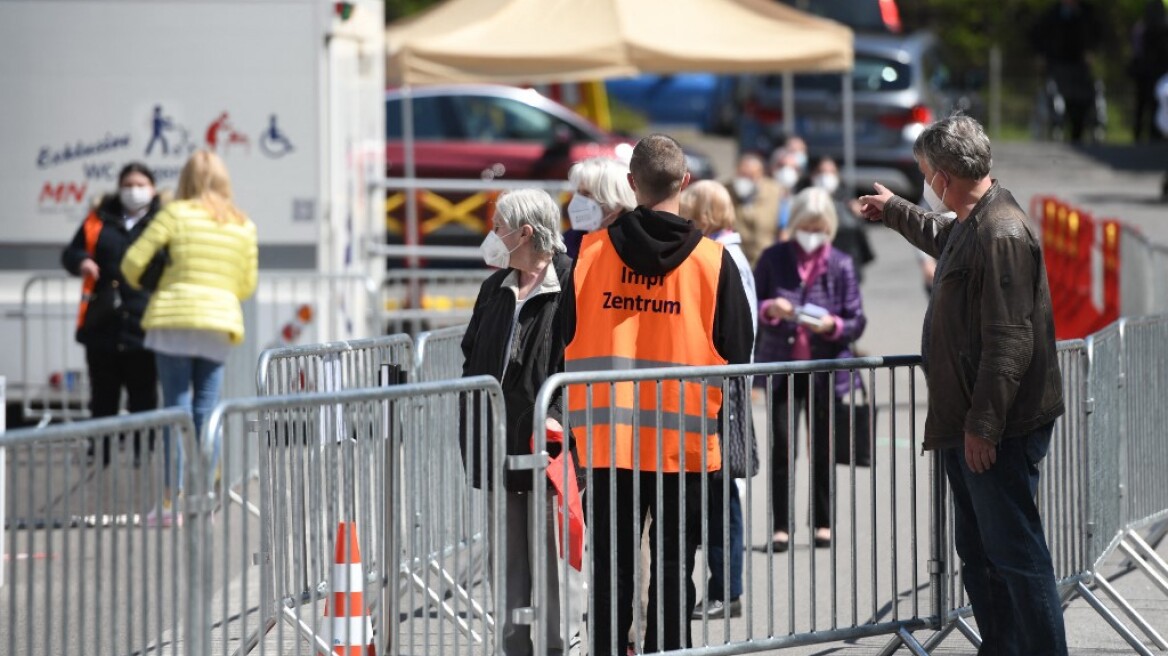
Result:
[109,319]
[649,291]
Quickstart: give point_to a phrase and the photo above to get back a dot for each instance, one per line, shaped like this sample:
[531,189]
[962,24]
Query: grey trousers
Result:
[567,599]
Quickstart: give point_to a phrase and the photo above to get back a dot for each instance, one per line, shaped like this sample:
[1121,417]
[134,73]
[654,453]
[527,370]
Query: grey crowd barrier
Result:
[439,353]
[876,576]
[93,564]
[289,308]
[259,574]
[366,457]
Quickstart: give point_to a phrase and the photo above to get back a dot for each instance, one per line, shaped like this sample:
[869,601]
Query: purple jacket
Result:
[836,290]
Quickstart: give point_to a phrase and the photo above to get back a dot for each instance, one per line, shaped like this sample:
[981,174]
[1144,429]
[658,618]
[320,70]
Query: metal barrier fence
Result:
[1063,500]
[877,575]
[289,307]
[333,366]
[1143,275]
[439,353]
[387,459]
[94,564]
[362,456]
[1128,375]
[53,375]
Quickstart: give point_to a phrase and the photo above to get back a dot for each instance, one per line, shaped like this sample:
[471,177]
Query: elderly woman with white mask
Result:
[602,194]
[514,336]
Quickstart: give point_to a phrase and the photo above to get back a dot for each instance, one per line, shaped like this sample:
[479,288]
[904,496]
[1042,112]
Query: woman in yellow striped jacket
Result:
[195,317]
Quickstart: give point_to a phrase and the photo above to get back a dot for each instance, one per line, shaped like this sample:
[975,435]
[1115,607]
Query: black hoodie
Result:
[654,243]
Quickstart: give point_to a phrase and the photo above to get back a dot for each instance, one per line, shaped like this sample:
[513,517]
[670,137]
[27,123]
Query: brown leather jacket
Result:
[992,368]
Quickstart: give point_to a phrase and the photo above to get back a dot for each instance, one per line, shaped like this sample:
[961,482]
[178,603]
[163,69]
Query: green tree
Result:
[969,29]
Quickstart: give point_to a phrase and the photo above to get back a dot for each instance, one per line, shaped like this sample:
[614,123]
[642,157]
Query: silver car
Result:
[901,84]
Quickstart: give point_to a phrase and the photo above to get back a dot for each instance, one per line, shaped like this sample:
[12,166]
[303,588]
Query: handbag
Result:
[739,446]
[858,432]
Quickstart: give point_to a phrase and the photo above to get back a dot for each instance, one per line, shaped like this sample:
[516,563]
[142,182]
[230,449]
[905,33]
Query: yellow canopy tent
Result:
[541,41]
[537,41]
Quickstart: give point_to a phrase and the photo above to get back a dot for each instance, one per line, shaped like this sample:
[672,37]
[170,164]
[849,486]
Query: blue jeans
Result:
[1006,565]
[716,554]
[192,384]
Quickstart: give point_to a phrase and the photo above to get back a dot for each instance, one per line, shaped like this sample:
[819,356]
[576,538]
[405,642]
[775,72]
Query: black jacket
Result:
[535,354]
[654,243]
[121,330]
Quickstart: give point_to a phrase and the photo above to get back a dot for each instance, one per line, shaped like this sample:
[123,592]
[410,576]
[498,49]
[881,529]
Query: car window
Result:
[869,73]
[486,118]
[432,119]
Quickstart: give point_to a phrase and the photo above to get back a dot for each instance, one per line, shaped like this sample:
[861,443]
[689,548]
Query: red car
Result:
[482,131]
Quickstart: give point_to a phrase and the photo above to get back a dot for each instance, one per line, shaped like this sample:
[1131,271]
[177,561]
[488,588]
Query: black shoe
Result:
[716,609]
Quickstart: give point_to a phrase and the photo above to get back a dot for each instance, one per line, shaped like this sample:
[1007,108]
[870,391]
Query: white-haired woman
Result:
[809,308]
[513,336]
[602,194]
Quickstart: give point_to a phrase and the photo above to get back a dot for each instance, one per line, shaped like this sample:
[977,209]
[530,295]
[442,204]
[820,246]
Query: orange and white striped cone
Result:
[347,625]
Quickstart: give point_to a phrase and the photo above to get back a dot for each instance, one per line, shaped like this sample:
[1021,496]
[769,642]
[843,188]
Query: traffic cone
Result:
[350,631]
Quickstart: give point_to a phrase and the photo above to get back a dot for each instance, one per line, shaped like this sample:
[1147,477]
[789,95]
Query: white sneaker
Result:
[164,516]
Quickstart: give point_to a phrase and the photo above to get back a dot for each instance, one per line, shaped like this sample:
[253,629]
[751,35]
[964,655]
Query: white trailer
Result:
[288,92]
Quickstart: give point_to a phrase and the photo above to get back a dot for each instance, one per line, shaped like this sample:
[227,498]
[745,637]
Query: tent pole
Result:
[849,123]
[788,104]
[412,236]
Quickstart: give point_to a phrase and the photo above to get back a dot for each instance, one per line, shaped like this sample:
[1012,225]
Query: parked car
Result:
[704,101]
[484,131]
[901,84]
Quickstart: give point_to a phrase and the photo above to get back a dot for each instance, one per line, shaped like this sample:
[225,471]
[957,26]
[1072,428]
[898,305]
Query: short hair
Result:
[707,203]
[204,179]
[607,180]
[957,145]
[658,166]
[533,207]
[810,205]
[135,167]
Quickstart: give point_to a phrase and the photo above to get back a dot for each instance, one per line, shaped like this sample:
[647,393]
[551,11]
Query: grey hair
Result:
[533,207]
[811,204]
[957,145]
[607,180]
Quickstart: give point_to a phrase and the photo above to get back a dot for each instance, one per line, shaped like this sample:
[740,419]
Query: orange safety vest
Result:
[629,321]
[92,229]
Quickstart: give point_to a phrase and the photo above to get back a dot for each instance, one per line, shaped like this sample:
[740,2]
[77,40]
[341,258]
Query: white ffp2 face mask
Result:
[744,188]
[495,252]
[584,213]
[810,241]
[935,202]
[827,181]
[787,176]
[135,198]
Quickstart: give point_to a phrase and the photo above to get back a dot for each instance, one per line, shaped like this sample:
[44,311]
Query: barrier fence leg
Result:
[1131,612]
[962,625]
[1110,617]
[1143,557]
